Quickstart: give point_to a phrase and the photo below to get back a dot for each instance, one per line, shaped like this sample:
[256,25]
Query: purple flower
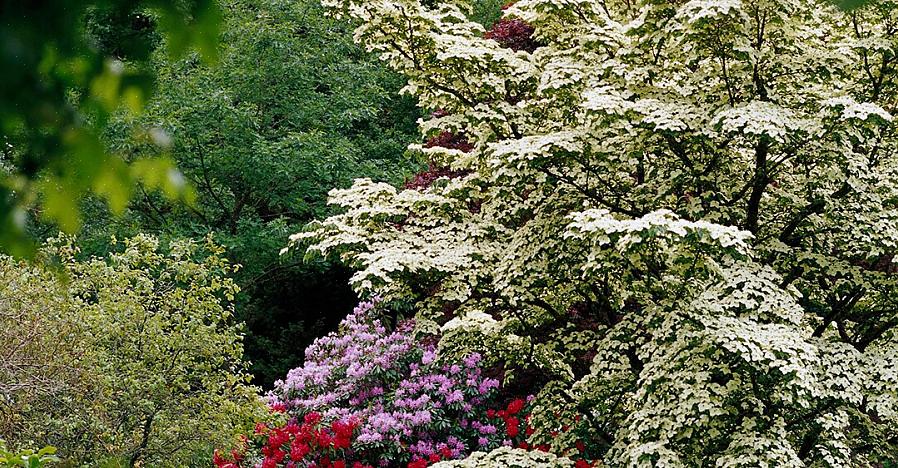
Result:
[487,385]
[455,397]
[472,360]
[487,429]
[401,392]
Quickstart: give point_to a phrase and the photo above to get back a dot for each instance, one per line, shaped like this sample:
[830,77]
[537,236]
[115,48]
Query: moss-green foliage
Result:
[292,109]
[134,357]
[487,12]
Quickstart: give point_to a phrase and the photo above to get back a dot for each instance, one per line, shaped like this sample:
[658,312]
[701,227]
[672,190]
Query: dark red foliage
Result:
[884,264]
[444,139]
[425,179]
[449,140]
[514,34]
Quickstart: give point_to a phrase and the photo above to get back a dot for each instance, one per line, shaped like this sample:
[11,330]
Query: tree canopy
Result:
[291,109]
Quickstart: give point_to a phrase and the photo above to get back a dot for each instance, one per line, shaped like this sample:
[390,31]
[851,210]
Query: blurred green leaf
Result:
[68,66]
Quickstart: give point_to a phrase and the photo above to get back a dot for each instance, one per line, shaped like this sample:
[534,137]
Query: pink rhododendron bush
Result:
[369,396]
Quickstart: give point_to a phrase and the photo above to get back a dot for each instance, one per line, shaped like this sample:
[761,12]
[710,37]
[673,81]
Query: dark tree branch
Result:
[759,184]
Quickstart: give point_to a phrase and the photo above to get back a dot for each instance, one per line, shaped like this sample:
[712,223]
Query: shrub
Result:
[131,358]
[513,33]
[26,458]
[371,396]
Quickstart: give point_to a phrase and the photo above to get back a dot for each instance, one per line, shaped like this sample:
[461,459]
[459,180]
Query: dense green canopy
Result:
[292,109]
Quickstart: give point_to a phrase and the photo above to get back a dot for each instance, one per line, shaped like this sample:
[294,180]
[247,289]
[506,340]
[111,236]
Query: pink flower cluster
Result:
[379,398]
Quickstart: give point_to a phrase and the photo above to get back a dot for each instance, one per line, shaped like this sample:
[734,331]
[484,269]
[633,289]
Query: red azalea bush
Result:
[311,443]
[515,419]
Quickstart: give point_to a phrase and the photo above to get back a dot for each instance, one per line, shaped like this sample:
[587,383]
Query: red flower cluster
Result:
[513,33]
[277,408]
[511,417]
[293,443]
[511,421]
[434,458]
[222,462]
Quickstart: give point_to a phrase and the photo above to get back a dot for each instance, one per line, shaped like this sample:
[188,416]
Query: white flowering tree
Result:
[680,216]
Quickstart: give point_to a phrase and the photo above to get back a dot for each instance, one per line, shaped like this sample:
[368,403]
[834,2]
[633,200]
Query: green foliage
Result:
[130,358]
[59,89]
[292,109]
[26,458]
[849,5]
[487,12]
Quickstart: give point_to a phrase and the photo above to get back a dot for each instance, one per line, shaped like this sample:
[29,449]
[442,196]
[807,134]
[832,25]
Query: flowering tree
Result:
[681,214]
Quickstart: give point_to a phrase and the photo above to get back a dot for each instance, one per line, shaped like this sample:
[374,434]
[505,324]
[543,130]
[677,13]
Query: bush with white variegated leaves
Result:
[676,222]
[508,457]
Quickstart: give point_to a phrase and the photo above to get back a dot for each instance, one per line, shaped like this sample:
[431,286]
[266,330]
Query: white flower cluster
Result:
[509,457]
